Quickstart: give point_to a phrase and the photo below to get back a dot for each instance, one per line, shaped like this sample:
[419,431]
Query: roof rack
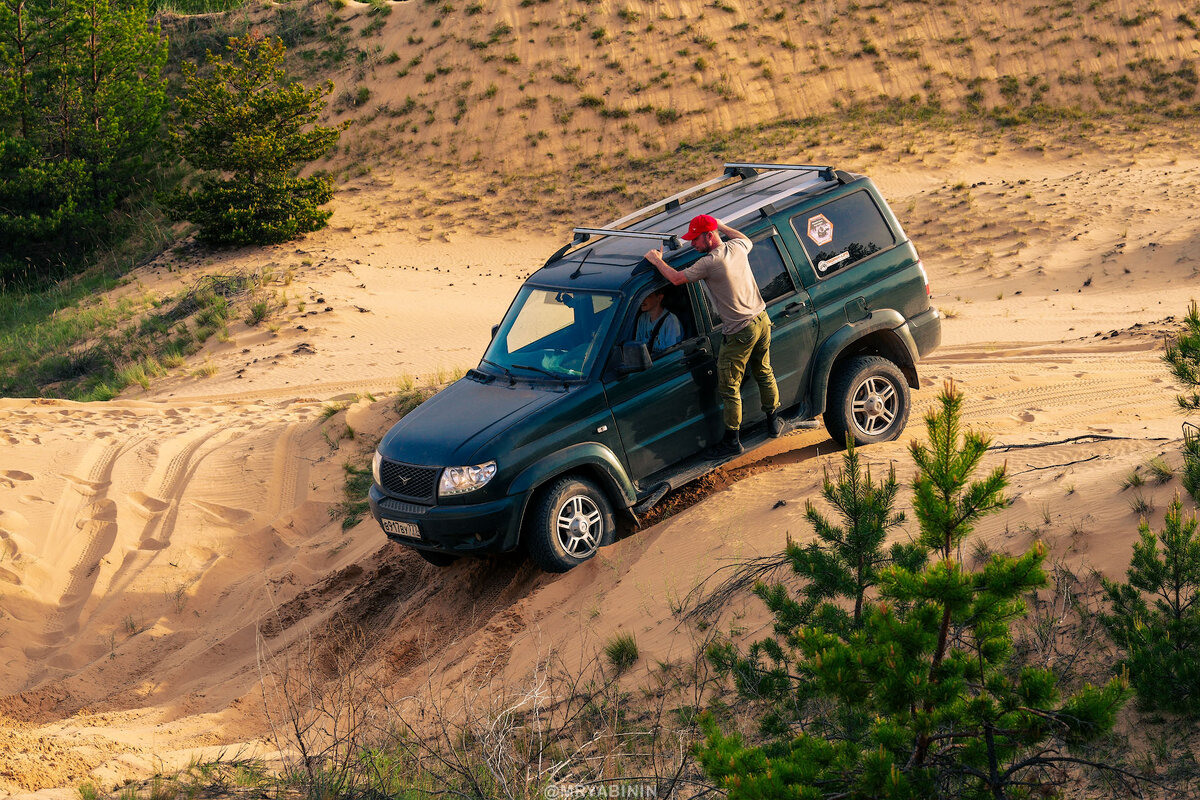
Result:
[671,203]
[736,169]
[733,170]
[767,207]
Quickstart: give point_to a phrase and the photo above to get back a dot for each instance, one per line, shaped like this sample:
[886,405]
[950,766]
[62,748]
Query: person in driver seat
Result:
[656,326]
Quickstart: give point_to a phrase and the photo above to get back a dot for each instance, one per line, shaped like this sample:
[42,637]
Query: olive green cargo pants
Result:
[749,347]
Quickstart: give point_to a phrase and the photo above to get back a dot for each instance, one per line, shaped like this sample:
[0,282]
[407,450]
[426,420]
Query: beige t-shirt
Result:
[726,273]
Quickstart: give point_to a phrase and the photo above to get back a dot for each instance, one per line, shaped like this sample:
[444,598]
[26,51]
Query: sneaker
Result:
[775,424]
[731,445]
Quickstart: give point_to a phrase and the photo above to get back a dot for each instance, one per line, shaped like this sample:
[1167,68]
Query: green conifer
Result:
[1161,640]
[252,131]
[923,700]
[1183,358]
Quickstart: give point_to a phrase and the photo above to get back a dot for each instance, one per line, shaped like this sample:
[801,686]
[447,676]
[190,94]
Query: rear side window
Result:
[844,232]
[770,272]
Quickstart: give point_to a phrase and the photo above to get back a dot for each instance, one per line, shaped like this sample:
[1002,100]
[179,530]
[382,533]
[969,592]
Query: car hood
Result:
[450,428]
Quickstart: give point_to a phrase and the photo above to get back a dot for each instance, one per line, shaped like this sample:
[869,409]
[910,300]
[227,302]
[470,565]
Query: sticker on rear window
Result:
[820,229]
[824,266]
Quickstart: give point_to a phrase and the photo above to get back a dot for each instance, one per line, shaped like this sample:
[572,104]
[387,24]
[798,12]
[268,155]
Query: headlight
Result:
[375,462]
[456,480]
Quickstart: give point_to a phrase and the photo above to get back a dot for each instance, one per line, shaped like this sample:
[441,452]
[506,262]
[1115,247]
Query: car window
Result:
[770,272]
[842,232]
[676,325]
[551,332]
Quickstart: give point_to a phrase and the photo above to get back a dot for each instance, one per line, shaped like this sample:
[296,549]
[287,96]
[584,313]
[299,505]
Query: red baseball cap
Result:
[700,224]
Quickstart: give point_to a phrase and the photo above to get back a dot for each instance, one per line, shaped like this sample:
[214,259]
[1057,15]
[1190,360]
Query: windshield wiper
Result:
[512,381]
[545,372]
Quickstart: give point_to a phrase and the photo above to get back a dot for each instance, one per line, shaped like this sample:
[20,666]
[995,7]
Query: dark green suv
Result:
[569,420]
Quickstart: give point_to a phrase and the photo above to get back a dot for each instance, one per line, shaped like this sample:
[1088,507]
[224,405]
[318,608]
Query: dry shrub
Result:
[570,724]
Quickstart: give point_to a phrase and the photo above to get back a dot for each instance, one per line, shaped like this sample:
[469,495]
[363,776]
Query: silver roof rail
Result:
[670,203]
[767,207]
[669,240]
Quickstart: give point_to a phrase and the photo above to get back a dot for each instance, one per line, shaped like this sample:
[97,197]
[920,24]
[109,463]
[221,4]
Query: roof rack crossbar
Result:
[665,204]
[669,240]
[739,167]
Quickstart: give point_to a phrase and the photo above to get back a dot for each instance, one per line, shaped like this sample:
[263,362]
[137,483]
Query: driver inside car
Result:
[657,327]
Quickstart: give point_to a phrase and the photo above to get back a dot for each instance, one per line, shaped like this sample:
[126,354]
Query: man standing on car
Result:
[725,270]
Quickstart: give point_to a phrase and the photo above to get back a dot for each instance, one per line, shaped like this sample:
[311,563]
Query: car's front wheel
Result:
[868,400]
[572,519]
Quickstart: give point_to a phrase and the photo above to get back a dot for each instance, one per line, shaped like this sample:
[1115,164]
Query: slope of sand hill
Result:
[153,547]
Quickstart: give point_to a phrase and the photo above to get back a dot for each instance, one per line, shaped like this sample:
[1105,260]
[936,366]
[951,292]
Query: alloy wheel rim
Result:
[875,405]
[579,525]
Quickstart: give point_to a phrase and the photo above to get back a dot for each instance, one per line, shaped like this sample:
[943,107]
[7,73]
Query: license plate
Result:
[398,528]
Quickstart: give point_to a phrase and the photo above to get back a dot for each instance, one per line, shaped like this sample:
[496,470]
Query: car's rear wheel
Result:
[868,400]
[572,519]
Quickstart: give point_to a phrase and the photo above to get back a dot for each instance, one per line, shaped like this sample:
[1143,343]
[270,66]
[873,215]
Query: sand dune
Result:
[149,545]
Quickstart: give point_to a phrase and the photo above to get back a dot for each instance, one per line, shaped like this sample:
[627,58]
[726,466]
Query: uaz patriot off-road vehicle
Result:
[567,420]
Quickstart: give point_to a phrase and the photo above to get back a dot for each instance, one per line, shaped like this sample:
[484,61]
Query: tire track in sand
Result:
[84,530]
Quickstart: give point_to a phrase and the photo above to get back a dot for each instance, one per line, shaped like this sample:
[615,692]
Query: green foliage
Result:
[1191,460]
[242,121]
[1183,359]
[355,505]
[621,651]
[1161,640]
[81,101]
[922,698]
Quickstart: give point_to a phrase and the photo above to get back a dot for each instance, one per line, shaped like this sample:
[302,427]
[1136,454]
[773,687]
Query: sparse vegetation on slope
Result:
[922,699]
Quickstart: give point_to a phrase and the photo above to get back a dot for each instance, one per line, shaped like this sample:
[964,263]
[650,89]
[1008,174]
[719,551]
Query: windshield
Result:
[550,332]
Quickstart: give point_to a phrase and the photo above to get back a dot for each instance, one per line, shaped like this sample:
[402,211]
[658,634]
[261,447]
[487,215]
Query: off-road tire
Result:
[571,519]
[868,399]
[438,559]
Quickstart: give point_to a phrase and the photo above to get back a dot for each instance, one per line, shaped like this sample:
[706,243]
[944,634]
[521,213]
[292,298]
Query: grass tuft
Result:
[621,652]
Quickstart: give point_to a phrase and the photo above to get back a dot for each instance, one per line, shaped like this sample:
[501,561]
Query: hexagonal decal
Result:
[820,229]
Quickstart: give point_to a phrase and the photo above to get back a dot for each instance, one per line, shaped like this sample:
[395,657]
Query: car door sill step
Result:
[698,466]
[657,494]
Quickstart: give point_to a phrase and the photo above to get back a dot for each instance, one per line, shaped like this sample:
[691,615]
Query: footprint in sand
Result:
[13,521]
[7,576]
[104,510]
[30,499]
[147,505]
[9,548]
[16,475]
[84,486]
[224,515]
[1025,416]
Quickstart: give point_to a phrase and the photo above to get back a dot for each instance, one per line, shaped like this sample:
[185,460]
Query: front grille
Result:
[408,480]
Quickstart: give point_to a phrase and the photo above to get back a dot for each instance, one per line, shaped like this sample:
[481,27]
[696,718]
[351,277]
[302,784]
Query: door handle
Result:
[793,308]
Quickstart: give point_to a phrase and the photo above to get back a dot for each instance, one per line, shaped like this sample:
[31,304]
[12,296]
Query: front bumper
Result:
[461,529]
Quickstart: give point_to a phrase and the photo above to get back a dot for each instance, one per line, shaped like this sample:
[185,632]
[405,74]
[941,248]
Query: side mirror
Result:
[635,357]
[494,329]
